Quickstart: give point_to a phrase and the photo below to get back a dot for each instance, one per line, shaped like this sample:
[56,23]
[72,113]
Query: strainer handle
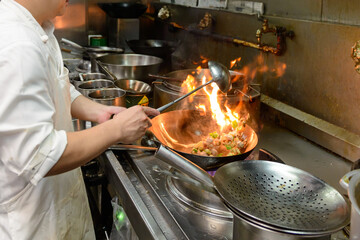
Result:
[184,165]
[344,181]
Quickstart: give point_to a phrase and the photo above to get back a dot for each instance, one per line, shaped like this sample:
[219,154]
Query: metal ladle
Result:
[220,75]
[114,78]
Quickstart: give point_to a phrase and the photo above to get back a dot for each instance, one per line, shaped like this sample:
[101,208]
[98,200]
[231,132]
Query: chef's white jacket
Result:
[35,114]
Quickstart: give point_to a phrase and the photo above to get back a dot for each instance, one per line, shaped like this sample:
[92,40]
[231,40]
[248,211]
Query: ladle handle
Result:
[166,106]
[184,165]
[106,70]
[165,78]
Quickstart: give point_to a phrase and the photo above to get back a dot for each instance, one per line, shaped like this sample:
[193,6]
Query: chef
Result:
[42,193]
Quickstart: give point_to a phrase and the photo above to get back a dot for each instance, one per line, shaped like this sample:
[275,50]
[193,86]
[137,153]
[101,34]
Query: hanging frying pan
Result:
[123,9]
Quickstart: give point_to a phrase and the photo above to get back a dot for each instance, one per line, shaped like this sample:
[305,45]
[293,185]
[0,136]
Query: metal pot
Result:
[91,76]
[110,96]
[78,124]
[351,182]
[131,66]
[83,77]
[136,91]
[89,86]
[245,229]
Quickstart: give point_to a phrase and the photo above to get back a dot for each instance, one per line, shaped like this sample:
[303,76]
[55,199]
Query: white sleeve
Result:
[74,93]
[29,144]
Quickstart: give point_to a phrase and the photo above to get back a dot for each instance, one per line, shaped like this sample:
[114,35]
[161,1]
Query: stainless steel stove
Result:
[168,208]
[160,206]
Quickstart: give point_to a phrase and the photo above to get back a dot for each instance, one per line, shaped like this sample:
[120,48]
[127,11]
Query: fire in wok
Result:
[210,136]
[181,129]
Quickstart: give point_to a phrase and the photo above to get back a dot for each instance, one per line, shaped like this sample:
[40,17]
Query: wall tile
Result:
[345,12]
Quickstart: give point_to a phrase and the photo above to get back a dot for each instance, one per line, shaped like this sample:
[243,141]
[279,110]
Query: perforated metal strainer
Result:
[281,196]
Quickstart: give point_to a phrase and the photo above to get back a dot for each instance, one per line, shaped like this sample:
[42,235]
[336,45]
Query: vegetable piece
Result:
[200,145]
[234,124]
[214,152]
[228,147]
[207,151]
[214,135]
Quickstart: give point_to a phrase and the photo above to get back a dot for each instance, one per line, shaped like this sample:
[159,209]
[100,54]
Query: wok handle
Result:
[71,43]
[184,165]
[131,147]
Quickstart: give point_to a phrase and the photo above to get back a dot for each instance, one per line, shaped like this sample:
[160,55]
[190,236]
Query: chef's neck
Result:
[39,9]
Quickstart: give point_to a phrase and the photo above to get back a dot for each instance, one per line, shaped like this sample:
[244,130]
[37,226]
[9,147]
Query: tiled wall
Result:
[319,78]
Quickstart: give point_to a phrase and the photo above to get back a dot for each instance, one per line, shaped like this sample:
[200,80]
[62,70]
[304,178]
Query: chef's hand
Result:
[133,122]
[151,111]
[107,112]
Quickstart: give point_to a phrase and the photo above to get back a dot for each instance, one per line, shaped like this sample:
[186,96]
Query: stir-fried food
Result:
[229,142]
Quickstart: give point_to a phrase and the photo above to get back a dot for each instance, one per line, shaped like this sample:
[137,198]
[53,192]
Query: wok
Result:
[90,50]
[130,66]
[180,129]
[158,48]
[123,9]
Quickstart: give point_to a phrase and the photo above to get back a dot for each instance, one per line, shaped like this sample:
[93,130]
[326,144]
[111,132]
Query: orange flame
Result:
[150,9]
[189,84]
[279,69]
[201,107]
[234,62]
[202,61]
[221,112]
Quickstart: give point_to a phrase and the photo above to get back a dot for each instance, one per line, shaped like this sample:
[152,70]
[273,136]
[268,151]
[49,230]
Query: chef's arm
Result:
[83,146]
[85,109]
